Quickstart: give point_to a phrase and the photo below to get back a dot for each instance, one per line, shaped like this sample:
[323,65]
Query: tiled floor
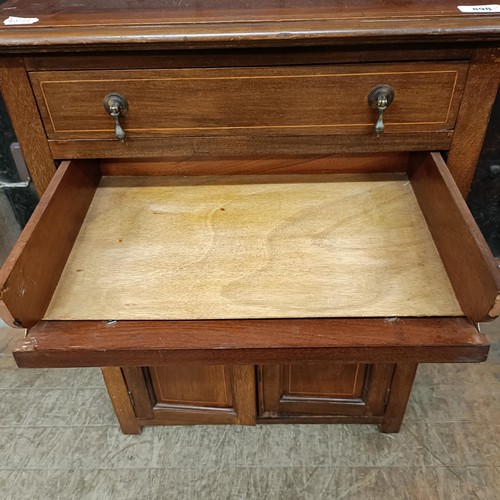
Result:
[59,440]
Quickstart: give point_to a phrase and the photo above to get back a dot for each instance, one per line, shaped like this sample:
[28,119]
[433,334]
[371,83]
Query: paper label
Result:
[16,21]
[479,9]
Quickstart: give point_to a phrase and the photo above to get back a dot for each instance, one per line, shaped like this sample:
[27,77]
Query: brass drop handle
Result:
[379,99]
[117,107]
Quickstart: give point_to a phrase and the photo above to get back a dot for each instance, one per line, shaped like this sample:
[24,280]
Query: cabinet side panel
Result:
[16,90]
[401,385]
[120,399]
[479,94]
[138,390]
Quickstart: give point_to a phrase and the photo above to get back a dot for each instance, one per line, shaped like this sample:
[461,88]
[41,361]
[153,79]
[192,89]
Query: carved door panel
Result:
[323,389]
[190,394]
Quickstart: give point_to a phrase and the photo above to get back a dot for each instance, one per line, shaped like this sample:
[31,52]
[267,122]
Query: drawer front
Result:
[305,100]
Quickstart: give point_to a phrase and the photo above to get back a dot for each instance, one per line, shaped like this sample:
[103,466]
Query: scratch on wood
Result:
[29,344]
[392,320]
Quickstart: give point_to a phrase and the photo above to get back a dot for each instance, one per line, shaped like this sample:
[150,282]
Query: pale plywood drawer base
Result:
[229,247]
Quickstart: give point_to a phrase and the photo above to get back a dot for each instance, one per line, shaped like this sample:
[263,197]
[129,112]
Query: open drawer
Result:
[118,270]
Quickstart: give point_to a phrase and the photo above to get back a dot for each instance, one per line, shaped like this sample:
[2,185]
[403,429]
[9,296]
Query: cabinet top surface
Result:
[41,23]
[63,12]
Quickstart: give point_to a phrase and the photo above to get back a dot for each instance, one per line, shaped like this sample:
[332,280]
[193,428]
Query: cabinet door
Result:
[323,389]
[193,394]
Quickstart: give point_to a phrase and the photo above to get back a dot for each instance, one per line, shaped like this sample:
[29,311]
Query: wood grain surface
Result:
[193,394]
[219,58]
[147,343]
[402,383]
[229,23]
[472,121]
[270,164]
[17,93]
[253,247]
[192,385]
[31,272]
[259,145]
[117,12]
[323,388]
[120,399]
[469,262]
[314,99]
[138,390]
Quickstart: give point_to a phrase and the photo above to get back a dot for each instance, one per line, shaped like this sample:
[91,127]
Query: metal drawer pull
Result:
[117,107]
[379,99]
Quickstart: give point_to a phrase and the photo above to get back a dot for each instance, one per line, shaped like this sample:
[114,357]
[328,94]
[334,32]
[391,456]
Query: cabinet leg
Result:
[402,382]
[243,380]
[120,399]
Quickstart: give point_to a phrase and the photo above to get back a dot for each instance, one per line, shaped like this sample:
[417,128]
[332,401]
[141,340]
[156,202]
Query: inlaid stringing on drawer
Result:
[305,100]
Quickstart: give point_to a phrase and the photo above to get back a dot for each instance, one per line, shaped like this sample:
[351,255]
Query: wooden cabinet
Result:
[226,394]
[250,221]
[326,392]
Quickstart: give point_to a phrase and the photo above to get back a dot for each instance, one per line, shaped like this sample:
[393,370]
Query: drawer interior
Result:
[161,247]
[271,246]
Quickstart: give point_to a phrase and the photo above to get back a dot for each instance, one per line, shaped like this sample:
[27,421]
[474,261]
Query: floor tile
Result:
[286,445]
[7,362]
[411,483]
[270,483]
[274,482]
[55,407]
[483,481]
[78,484]
[9,337]
[50,378]
[74,447]
[243,446]
[492,331]
[458,373]
[459,402]
[459,443]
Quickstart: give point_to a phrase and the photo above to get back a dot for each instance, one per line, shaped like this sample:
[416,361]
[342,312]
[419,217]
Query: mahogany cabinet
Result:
[250,212]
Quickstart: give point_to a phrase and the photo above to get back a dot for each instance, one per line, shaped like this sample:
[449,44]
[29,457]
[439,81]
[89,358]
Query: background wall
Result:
[16,204]
[484,198]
